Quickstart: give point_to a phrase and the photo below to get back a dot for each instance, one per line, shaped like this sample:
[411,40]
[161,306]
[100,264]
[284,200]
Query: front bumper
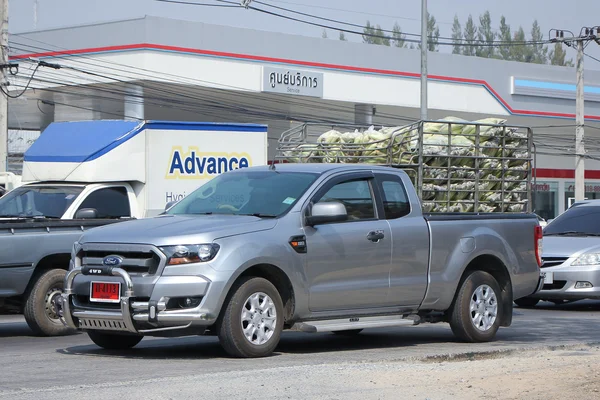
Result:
[133,315]
[564,281]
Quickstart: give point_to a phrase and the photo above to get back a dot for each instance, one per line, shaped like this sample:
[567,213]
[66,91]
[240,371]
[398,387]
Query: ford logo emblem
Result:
[112,261]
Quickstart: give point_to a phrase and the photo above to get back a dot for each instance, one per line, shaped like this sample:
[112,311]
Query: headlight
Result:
[190,253]
[587,259]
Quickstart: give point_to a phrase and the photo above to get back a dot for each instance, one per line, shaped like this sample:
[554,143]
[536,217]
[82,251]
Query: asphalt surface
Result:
[196,367]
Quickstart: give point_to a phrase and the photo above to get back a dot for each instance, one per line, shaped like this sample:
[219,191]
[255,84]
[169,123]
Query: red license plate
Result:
[106,292]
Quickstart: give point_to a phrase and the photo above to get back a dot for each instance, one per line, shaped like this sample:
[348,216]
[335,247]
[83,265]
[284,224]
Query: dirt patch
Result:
[569,373]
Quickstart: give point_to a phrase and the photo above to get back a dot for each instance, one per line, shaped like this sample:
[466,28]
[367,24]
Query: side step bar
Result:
[342,324]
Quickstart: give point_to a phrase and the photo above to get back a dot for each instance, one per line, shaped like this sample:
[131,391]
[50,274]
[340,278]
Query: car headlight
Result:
[587,259]
[190,253]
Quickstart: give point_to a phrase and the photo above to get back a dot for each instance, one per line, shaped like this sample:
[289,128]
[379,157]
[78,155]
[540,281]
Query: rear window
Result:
[584,219]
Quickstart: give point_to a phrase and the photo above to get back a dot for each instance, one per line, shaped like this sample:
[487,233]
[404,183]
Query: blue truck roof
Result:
[80,141]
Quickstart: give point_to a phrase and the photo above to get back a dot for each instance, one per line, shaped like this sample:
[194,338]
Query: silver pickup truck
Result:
[307,247]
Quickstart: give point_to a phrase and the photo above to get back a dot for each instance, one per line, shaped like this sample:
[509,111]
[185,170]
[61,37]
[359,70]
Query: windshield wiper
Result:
[260,215]
[572,233]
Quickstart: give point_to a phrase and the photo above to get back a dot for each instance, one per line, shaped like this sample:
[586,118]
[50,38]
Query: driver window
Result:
[356,196]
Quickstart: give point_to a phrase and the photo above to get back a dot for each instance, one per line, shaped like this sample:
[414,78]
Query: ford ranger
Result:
[305,247]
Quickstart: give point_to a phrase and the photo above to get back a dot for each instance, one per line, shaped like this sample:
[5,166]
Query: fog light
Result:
[189,302]
[583,285]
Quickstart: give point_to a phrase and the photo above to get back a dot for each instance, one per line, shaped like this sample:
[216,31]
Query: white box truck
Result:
[81,175]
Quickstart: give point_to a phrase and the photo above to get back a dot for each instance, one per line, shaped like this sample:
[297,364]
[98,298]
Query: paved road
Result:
[196,367]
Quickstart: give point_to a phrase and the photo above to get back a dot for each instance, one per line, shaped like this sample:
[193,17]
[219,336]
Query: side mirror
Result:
[323,213]
[170,204]
[86,213]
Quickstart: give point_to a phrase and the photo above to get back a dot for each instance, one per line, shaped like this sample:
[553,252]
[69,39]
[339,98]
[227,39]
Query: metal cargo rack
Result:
[456,166]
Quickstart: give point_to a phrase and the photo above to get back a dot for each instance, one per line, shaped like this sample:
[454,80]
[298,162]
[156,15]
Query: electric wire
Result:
[455,41]
[478,44]
[235,96]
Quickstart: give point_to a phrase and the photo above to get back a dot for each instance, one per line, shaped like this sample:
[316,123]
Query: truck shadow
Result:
[532,328]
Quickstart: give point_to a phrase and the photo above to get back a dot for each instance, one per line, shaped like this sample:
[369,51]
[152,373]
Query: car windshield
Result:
[38,201]
[261,193]
[576,221]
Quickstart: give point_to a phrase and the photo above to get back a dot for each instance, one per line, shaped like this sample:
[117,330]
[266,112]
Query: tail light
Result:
[539,235]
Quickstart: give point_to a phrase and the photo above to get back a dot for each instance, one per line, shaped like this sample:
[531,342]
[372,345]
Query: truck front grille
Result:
[137,259]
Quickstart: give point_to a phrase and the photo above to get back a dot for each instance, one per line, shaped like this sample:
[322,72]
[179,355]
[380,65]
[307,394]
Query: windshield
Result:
[260,193]
[40,201]
[581,220]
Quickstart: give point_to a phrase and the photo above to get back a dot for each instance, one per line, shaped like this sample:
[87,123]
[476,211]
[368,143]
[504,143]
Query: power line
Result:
[358,12]
[479,42]
[197,4]
[592,57]
[373,35]
[185,80]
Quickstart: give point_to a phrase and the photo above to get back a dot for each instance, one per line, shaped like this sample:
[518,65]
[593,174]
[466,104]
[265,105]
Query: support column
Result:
[363,114]
[133,103]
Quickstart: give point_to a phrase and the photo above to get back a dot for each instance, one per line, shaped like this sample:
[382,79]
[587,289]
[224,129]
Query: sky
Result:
[549,14]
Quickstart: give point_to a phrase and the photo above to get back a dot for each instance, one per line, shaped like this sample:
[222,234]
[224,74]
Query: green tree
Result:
[374,35]
[433,34]
[343,37]
[381,37]
[469,47]
[485,36]
[398,37]
[456,36]
[504,51]
[539,51]
[518,51]
[558,56]
[367,32]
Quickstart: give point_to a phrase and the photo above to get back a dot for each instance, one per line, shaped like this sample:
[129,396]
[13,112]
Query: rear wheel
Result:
[527,302]
[252,320]
[40,309]
[111,341]
[477,307]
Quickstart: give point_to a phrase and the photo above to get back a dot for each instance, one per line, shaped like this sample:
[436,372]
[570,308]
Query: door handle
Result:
[375,236]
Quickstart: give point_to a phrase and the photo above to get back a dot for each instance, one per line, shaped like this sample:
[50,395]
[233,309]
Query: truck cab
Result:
[68,201]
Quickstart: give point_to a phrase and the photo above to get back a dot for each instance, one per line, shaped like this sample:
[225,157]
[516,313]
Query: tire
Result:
[239,314]
[39,311]
[111,341]
[464,323]
[527,302]
[351,332]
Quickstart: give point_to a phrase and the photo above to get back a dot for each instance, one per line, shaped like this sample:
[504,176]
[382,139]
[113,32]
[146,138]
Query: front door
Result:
[347,265]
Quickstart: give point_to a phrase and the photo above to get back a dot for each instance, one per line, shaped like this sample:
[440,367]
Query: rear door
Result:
[409,236]
[346,267]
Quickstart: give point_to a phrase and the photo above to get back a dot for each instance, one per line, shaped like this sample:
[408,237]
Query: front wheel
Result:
[252,320]
[111,341]
[477,307]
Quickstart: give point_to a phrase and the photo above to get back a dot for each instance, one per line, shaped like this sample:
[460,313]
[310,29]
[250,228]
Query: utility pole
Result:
[579,129]
[586,35]
[4,67]
[424,21]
